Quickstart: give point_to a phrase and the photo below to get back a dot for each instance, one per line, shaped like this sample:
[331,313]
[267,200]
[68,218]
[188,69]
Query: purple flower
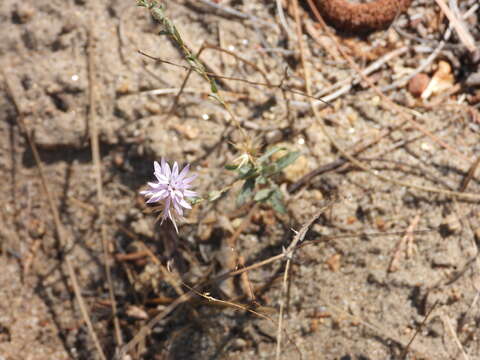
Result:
[170,190]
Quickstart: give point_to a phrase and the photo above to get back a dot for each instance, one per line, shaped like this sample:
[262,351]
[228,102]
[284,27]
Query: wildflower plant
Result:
[257,176]
[255,172]
[171,190]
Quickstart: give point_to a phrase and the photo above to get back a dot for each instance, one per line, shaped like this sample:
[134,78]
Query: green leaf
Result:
[191,62]
[231,167]
[246,191]
[260,180]
[286,160]
[269,170]
[276,201]
[263,194]
[213,86]
[246,171]
[175,33]
[270,152]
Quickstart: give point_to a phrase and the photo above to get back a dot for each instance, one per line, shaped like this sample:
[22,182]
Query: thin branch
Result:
[283,21]
[420,327]
[288,253]
[459,26]
[303,231]
[446,320]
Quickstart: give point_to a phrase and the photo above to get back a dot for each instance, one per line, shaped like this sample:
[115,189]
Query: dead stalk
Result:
[95,147]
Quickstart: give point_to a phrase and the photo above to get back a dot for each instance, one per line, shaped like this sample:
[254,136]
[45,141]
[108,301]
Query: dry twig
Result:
[465,37]
[420,327]
[448,323]
[288,253]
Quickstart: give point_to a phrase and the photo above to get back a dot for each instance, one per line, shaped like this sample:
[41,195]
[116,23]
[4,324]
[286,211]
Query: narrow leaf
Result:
[276,200]
[286,160]
[231,167]
[213,86]
[263,194]
[270,152]
[245,192]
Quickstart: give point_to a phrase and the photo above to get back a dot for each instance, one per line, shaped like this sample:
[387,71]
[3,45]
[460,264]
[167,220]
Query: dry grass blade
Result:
[446,320]
[459,26]
[420,327]
[470,175]
[283,21]
[56,218]
[95,147]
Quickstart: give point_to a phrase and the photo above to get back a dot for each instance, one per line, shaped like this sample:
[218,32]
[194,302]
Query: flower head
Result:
[249,150]
[170,190]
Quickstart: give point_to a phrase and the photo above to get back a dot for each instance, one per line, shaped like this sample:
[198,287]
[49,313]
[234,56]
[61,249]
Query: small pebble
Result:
[153,107]
[417,84]
[123,88]
[238,344]
[273,136]
[136,312]
[333,262]
[296,170]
